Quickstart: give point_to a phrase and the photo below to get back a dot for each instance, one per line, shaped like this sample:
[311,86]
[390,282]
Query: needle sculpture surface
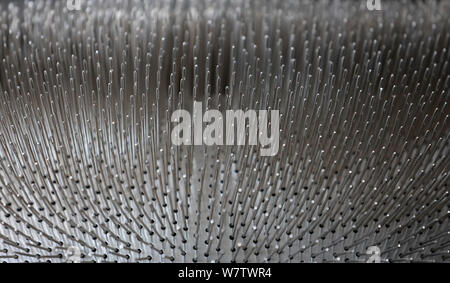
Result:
[89,172]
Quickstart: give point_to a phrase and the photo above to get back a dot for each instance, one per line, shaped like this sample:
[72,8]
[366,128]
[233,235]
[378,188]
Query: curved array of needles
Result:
[86,159]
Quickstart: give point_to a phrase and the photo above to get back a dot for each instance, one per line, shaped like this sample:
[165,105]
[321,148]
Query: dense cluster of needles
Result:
[87,163]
